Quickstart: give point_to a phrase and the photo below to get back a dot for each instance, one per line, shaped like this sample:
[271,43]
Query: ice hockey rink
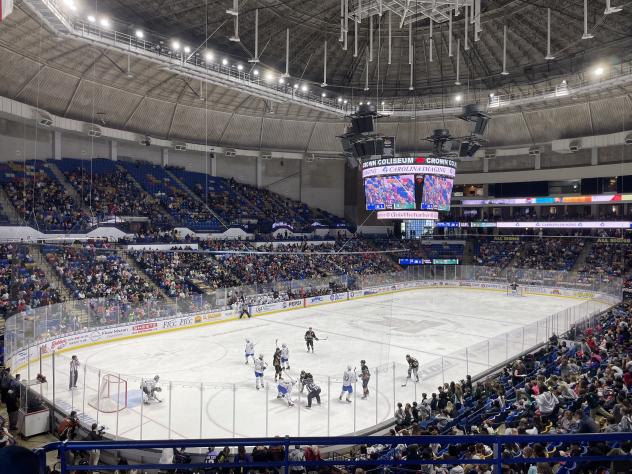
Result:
[209,392]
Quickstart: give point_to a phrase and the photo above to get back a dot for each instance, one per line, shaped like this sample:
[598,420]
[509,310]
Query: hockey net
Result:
[112,395]
[517,292]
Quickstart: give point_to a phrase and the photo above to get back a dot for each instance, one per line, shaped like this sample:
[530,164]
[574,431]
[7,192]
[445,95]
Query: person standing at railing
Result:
[74,372]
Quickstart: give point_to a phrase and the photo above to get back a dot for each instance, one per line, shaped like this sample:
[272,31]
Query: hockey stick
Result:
[323,339]
[406,383]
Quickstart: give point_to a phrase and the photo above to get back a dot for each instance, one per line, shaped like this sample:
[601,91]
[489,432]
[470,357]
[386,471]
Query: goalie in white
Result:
[150,388]
[260,366]
[284,391]
[250,350]
[348,379]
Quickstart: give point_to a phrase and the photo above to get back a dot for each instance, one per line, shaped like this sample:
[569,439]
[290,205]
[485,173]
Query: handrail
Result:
[497,459]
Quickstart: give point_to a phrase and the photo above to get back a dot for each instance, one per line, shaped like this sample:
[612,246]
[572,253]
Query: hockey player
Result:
[276,362]
[365,376]
[310,335]
[260,366]
[285,357]
[348,379]
[313,391]
[284,390]
[413,367]
[150,388]
[304,379]
[250,350]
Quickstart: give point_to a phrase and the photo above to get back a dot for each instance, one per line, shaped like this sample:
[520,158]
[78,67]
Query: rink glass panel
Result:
[200,409]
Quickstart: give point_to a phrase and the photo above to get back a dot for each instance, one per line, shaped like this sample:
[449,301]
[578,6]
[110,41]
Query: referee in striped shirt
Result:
[74,372]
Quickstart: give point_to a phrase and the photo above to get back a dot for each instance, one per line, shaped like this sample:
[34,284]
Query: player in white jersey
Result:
[284,390]
[260,366]
[150,388]
[250,350]
[348,379]
[285,357]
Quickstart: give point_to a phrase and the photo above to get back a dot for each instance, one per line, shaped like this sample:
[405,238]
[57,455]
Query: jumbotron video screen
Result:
[420,183]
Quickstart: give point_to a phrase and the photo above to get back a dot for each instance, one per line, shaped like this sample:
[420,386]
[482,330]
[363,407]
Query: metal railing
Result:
[196,65]
[396,453]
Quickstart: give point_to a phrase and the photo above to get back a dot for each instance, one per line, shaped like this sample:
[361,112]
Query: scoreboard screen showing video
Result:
[409,183]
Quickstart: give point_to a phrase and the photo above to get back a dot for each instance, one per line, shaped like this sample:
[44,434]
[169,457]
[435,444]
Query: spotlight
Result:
[140,34]
[598,71]
[92,19]
[304,88]
[491,94]
[281,80]
[209,56]
[240,67]
[295,86]
[175,45]
[187,50]
[344,101]
[339,99]
[71,4]
[368,103]
[458,98]
[256,72]
[105,23]
[323,95]
[268,76]
[224,61]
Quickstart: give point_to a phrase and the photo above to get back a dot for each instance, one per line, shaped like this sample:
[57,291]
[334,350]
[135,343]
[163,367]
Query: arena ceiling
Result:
[82,80]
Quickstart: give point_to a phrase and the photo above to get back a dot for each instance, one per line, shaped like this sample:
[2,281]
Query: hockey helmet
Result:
[247,340]
[363,362]
[284,345]
[156,378]
[260,356]
[407,356]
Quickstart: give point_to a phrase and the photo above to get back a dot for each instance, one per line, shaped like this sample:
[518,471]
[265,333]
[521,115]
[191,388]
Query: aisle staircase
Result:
[143,194]
[194,196]
[69,188]
[8,209]
[130,260]
[51,274]
[581,260]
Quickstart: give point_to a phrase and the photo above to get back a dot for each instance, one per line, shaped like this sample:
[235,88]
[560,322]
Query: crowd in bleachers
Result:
[581,384]
[90,273]
[22,284]
[608,260]
[108,191]
[41,200]
[495,253]
[180,274]
[549,254]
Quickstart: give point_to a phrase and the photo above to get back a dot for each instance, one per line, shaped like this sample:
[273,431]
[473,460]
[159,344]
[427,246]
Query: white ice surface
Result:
[208,391]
